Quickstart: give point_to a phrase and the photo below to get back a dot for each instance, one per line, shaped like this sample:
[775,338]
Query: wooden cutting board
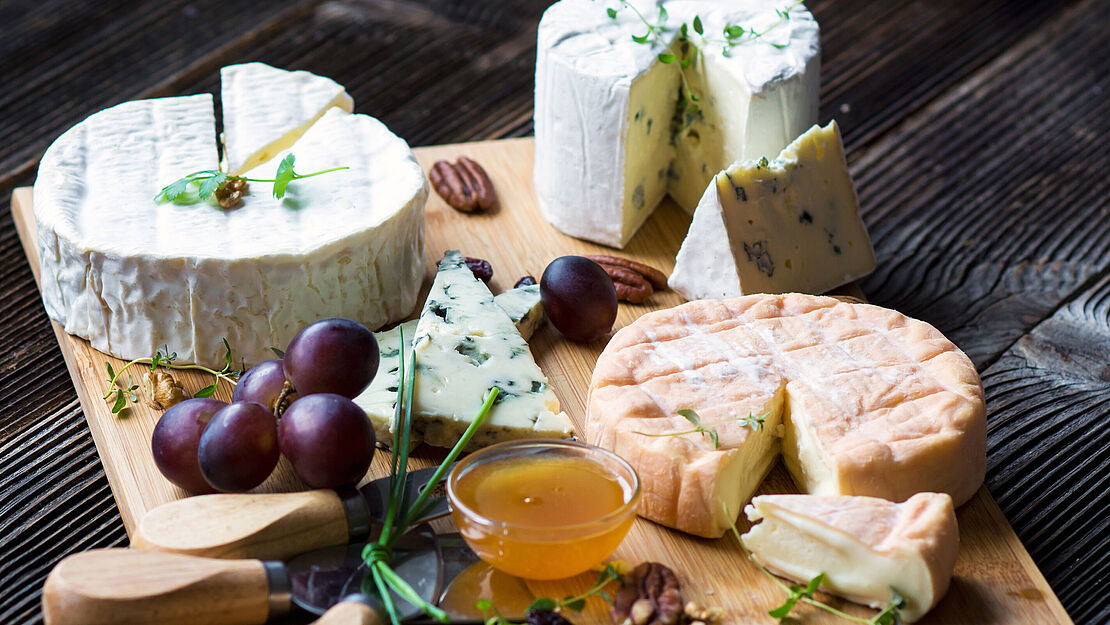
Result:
[995,580]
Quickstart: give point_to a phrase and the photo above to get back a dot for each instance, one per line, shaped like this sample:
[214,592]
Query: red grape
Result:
[328,440]
[579,298]
[332,356]
[262,383]
[175,439]
[239,448]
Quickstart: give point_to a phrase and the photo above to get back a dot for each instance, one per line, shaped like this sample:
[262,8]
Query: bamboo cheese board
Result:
[995,579]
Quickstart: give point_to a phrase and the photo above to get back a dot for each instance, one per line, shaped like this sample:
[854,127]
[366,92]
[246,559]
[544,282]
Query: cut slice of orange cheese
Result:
[859,400]
[865,547]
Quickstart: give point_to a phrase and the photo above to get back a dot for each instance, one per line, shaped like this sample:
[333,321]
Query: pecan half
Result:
[463,184]
[524,281]
[651,595]
[657,278]
[631,286]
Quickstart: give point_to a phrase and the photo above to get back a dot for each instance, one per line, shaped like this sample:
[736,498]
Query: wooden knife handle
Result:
[125,587]
[349,613]
[264,526]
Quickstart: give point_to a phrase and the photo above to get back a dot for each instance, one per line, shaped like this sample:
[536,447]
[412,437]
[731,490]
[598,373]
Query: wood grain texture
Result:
[992,567]
[882,62]
[274,526]
[1049,446]
[129,587]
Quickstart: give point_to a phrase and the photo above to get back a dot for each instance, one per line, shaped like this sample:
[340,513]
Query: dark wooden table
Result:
[977,134]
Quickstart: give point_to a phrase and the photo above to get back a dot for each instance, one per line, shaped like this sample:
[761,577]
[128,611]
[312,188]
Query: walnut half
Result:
[651,595]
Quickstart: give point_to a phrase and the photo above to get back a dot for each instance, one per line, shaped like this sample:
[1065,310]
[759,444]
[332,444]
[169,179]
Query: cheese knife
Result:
[275,526]
[126,586]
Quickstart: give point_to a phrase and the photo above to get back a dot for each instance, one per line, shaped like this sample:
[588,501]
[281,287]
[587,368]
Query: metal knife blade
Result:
[370,503]
[321,578]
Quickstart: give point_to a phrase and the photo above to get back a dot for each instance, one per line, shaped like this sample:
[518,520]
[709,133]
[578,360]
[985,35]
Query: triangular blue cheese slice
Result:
[467,341]
[781,226]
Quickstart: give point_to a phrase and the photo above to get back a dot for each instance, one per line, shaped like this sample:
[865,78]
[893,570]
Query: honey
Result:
[543,515]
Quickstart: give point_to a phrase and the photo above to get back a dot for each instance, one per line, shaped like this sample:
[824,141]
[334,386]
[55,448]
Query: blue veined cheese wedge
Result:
[787,225]
[611,139]
[867,548]
[379,400]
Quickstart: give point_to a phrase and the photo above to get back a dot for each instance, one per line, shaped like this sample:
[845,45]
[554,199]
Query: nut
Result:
[631,286]
[165,391]
[480,268]
[230,193]
[652,585]
[463,184]
[657,278]
[524,281]
[641,612]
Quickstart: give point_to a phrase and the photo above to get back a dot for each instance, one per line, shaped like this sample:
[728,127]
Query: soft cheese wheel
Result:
[606,148]
[867,401]
[865,546]
[130,274]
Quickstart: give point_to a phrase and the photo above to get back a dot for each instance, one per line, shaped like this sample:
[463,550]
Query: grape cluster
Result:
[298,406]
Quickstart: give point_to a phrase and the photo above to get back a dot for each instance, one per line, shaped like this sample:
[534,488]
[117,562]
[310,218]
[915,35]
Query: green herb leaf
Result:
[277,352]
[732,31]
[111,372]
[284,175]
[543,604]
[612,15]
[641,38]
[207,391]
[697,25]
[666,57]
[209,186]
[662,15]
[484,605]
[121,401]
[576,604]
[691,416]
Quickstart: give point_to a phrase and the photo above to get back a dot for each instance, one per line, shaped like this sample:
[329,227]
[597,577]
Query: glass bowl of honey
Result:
[543,509]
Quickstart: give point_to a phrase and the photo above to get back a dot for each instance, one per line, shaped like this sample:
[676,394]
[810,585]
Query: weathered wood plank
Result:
[1049,447]
[985,208]
[881,61]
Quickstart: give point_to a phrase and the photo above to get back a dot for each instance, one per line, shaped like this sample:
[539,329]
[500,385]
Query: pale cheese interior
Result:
[792,224]
[865,547]
[341,101]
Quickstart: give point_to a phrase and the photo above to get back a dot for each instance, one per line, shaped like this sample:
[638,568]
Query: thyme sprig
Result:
[163,357]
[750,421]
[891,614]
[383,580]
[608,575]
[202,185]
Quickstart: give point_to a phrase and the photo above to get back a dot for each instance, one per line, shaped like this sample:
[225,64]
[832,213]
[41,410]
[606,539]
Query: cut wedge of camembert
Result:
[867,401]
[612,134]
[379,400]
[787,225]
[867,548]
[131,274]
[266,109]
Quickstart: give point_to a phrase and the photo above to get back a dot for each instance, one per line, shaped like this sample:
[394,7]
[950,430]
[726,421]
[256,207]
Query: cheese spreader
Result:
[275,526]
[127,586]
